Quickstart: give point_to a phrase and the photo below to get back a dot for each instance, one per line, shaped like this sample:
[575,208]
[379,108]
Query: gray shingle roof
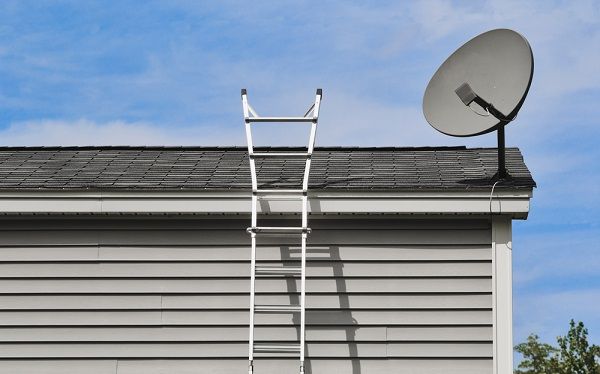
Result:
[224,168]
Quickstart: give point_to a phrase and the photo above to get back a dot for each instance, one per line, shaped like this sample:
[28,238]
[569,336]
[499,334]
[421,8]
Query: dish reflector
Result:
[481,86]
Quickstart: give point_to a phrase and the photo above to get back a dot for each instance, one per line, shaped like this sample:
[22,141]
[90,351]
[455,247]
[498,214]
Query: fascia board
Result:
[514,203]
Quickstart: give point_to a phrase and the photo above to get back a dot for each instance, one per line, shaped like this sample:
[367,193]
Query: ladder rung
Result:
[278,270]
[281,154]
[280,348]
[281,119]
[276,308]
[278,230]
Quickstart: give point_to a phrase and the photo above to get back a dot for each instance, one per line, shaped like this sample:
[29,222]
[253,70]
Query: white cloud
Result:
[439,18]
[564,35]
[345,120]
[185,82]
[357,119]
[86,132]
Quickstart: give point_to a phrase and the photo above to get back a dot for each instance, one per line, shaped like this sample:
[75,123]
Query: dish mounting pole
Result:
[502,173]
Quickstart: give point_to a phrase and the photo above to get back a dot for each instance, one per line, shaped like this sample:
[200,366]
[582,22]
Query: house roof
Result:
[226,168]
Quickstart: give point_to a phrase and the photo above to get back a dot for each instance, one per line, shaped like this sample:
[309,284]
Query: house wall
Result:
[170,295]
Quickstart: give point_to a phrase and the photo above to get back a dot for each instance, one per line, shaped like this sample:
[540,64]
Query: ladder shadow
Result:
[345,320]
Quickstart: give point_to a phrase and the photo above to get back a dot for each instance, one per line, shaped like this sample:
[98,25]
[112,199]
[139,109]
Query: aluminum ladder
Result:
[251,117]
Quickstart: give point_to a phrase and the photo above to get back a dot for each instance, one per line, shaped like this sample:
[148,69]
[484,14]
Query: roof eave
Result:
[512,202]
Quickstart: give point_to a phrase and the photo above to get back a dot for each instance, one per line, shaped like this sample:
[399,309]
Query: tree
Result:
[538,358]
[574,355]
[575,352]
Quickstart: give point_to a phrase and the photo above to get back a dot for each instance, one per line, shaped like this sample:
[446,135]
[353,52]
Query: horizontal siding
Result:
[268,366]
[238,237]
[93,366]
[240,350]
[116,295]
[227,317]
[225,286]
[241,301]
[166,253]
[240,334]
[239,270]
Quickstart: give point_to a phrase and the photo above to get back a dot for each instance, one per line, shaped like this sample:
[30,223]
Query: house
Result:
[136,260]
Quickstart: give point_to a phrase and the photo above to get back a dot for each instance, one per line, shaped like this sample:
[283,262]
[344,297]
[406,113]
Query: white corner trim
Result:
[502,294]
[512,203]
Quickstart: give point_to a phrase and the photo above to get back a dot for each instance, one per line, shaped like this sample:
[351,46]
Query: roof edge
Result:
[512,203]
[226,148]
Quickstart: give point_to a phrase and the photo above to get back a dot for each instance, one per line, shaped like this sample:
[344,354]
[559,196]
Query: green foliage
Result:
[577,355]
[574,355]
[538,358]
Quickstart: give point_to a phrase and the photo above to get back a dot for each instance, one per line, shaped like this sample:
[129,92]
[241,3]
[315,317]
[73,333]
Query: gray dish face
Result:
[498,65]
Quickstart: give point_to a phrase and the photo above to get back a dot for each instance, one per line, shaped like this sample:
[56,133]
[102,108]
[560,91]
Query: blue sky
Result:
[169,72]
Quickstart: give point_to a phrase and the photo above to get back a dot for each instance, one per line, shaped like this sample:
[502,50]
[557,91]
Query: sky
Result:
[170,73]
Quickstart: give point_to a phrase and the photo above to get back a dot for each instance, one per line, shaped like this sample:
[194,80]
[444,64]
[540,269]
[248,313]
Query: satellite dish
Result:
[481,87]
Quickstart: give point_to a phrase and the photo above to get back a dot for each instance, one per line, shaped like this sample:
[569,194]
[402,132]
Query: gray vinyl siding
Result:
[170,295]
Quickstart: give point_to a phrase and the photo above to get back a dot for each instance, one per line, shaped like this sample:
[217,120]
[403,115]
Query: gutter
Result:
[513,203]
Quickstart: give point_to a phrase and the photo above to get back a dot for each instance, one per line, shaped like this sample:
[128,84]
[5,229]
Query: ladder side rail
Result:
[251,159]
[311,143]
[313,132]
[317,105]
[252,301]
[303,303]
[246,109]
[311,146]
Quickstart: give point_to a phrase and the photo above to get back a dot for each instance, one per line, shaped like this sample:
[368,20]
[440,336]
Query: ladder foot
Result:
[302,367]
[250,368]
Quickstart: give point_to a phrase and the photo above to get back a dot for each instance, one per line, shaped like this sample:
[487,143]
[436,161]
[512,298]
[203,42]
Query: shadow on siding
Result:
[348,324]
